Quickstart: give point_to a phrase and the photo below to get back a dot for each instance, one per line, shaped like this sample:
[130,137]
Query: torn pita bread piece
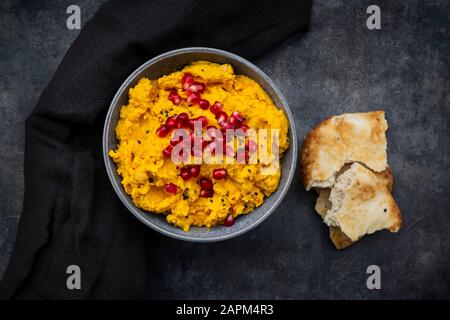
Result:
[351,137]
[361,204]
[344,159]
[323,204]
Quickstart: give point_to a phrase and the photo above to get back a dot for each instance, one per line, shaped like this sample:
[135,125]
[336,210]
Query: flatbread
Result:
[339,239]
[361,203]
[351,137]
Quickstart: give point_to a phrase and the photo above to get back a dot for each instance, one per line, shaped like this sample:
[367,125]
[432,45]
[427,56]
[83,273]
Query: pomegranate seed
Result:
[195,171]
[236,113]
[197,87]
[221,116]
[167,152]
[204,120]
[238,118]
[182,120]
[236,121]
[193,98]
[162,131]
[233,121]
[183,116]
[206,193]
[174,97]
[185,173]
[171,122]
[219,174]
[229,221]
[182,125]
[244,127]
[204,104]
[206,183]
[171,188]
[216,107]
[187,80]
[251,146]
[226,125]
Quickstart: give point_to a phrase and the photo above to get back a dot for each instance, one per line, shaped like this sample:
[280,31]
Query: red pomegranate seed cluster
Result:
[206,187]
[193,90]
[189,172]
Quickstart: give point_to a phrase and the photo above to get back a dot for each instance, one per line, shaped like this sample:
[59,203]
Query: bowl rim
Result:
[118,189]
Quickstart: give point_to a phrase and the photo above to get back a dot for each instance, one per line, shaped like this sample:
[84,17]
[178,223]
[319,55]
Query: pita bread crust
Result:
[340,240]
[362,204]
[350,137]
[386,178]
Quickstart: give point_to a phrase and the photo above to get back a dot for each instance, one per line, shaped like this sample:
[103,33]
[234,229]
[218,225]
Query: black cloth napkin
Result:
[71,215]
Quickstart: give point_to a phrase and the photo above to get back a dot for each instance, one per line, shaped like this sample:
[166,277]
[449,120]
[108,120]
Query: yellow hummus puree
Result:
[145,172]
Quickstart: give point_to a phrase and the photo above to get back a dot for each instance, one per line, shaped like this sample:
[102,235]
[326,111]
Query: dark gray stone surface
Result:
[339,66]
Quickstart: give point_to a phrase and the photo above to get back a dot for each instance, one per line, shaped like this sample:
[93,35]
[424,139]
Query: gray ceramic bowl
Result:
[165,64]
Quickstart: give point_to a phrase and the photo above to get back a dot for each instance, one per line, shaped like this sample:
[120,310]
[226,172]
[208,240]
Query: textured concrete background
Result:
[339,66]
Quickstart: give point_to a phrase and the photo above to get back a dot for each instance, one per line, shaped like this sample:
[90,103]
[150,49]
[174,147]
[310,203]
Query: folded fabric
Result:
[71,215]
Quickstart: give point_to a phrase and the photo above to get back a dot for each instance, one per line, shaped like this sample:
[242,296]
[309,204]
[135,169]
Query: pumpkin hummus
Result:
[202,195]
